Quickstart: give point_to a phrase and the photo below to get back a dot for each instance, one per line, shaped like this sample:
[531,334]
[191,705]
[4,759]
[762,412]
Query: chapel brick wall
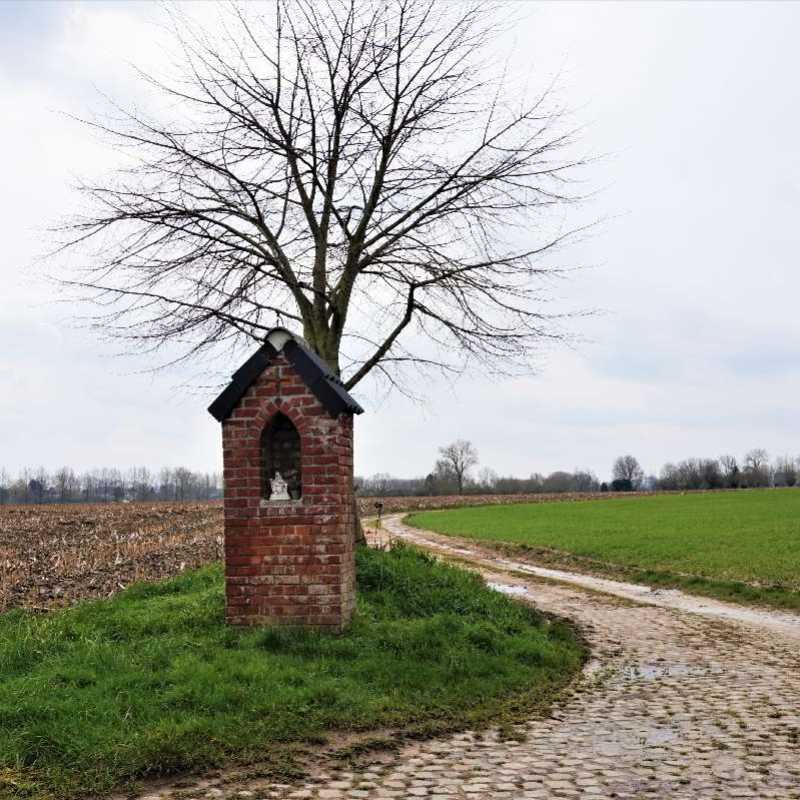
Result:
[293,562]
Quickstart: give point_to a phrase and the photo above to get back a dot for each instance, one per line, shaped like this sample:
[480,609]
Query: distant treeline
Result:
[487,482]
[448,477]
[108,485]
[726,472]
[452,473]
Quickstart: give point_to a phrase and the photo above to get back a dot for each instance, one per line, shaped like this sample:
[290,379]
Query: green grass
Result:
[152,682]
[741,546]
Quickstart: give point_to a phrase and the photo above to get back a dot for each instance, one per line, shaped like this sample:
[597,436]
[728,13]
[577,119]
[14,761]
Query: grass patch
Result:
[152,682]
[741,546]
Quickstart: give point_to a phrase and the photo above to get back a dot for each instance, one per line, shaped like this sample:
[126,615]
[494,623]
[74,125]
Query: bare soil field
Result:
[392,505]
[53,555]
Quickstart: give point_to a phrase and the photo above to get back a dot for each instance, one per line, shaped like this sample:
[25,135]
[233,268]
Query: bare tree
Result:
[786,471]
[692,473]
[756,459]
[487,479]
[185,482]
[5,486]
[585,481]
[356,170]
[208,485]
[66,484]
[756,467]
[140,483]
[627,468]
[730,471]
[459,458]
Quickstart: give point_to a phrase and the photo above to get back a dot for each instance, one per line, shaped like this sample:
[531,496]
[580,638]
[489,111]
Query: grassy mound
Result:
[152,682]
[742,546]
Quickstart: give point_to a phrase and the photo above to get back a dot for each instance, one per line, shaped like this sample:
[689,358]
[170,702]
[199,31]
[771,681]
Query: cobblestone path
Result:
[674,705]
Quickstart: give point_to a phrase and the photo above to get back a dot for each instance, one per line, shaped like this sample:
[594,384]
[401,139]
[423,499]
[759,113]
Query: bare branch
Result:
[358,169]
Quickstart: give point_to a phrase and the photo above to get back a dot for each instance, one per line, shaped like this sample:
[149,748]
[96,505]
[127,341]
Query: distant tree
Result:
[380,483]
[756,459]
[710,473]
[621,485]
[506,484]
[535,483]
[785,472]
[559,481]
[140,483]
[166,485]
[19,491]
[444,478]
[627,468]
[459,457]
[669,480]
[585,481]
[692,473]
[36,489]
[184,482]
[5,486]
[66,485]
[208,485]
[731,475]
[756,467]
[106,479]
[487,478]
[650,483]
[89,483]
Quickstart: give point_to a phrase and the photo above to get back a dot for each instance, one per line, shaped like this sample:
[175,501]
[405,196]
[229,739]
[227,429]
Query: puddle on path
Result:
[615,743]
[651,672]
[513,591]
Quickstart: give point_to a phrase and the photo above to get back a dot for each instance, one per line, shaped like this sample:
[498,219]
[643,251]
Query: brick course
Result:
[290,562]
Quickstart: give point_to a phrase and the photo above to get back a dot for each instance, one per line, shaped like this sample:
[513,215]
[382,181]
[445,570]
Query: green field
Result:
[153,682]
[741,545]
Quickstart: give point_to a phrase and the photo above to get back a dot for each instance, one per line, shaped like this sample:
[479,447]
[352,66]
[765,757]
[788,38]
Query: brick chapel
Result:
[287,439]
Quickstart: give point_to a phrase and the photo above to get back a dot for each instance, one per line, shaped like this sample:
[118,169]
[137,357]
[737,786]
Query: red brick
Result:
[288,564]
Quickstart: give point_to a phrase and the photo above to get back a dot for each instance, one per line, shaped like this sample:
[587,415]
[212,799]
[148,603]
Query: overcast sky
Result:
[697,351]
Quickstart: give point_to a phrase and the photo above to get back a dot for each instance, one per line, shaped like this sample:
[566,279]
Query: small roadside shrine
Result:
[287,439]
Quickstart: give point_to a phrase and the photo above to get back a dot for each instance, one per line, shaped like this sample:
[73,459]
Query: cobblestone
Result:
[674,705]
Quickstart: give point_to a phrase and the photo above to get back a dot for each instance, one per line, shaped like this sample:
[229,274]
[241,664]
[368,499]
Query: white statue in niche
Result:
[278,488]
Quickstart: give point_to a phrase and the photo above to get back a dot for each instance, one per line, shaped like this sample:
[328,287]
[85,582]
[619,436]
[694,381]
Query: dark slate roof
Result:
[318,376]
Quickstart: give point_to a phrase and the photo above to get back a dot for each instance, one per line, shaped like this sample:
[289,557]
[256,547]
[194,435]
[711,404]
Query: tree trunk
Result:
[358,528]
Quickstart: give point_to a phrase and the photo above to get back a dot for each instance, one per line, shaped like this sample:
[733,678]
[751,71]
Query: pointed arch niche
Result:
[280,452]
